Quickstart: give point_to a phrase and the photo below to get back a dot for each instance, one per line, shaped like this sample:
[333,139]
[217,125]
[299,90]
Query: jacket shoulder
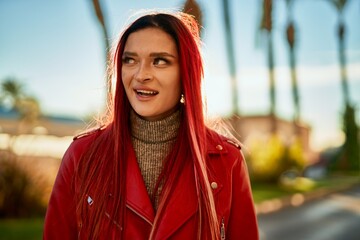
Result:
[80,144]
[90,132]
[232,143]
[220,143]
[83,141]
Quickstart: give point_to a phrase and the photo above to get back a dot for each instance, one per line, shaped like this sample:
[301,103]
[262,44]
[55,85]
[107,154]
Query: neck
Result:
[162,130]
[152,142]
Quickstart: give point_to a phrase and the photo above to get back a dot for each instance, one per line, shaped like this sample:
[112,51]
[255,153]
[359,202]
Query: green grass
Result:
[267,191]
[337,181]
[24,229]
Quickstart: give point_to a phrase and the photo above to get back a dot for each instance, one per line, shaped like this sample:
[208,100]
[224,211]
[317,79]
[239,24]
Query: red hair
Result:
[102,168]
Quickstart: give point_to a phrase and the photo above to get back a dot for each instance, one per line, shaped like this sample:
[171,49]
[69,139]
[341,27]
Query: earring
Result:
[182,99]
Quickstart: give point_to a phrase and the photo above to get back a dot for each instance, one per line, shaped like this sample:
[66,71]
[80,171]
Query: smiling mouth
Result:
[146,92]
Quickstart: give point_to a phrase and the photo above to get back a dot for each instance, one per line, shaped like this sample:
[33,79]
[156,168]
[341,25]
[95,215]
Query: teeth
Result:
[146,92]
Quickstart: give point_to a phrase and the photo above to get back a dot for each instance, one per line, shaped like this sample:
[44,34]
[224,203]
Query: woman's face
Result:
[151,73]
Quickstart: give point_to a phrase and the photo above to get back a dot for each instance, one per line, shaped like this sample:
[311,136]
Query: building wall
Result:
[42,126]
[247,127]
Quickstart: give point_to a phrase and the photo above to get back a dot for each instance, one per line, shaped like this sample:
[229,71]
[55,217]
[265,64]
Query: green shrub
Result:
[19,197]
[269,157]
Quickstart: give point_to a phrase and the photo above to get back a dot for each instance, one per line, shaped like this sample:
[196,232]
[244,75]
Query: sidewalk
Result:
[297,199]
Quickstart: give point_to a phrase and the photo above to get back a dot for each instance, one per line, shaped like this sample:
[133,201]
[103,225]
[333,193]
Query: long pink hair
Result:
[102,168]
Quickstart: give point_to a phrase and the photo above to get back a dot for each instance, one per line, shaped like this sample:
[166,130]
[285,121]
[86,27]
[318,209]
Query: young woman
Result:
[154,171]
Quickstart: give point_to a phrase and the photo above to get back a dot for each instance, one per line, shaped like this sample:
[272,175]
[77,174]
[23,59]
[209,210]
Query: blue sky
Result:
[55,49]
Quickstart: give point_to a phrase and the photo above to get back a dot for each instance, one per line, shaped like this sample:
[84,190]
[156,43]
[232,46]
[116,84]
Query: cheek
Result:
[178,84]
[125,78]
[175,90]
[125,84]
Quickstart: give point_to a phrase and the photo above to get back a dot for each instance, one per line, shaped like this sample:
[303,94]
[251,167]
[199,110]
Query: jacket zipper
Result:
[222,230]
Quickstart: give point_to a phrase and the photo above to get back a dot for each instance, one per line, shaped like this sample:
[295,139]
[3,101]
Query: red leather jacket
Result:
[229,180]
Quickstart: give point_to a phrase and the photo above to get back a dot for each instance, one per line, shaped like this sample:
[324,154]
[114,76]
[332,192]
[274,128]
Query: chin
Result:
[144,113]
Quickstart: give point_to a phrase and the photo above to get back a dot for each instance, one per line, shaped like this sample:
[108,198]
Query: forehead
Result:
[150,38]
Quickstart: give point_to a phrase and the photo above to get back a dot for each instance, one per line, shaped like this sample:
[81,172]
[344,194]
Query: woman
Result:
[154,171]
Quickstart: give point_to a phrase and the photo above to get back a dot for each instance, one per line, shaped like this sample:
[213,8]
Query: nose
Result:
[143,73]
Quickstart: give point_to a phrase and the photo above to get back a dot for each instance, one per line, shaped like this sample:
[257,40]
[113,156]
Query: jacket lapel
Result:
[137,198]
[182,205]
[183,202]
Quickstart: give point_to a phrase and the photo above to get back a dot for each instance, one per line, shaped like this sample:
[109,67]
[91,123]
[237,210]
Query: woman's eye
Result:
[160,61]
[128,60]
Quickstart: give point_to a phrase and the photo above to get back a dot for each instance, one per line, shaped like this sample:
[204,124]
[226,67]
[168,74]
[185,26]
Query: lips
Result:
[145,92]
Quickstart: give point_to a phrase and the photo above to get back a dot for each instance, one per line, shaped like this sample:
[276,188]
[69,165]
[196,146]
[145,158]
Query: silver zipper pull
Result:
[222,229]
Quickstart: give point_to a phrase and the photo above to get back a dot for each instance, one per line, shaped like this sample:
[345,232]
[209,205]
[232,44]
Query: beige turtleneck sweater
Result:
[152,142]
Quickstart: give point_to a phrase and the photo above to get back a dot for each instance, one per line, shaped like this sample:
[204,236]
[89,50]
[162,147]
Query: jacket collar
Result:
[137,198]
[138,201]
[184,195]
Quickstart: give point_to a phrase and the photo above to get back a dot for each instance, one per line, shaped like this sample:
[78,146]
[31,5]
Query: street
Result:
[336,217]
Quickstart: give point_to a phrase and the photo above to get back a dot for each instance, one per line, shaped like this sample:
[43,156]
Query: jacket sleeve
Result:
[242,220]
[60,220]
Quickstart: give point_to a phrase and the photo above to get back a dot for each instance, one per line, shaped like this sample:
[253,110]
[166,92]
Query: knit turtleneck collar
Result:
[159,131]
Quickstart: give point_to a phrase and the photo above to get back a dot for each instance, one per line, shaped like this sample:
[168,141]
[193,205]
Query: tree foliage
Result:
[269,157]
[14,97]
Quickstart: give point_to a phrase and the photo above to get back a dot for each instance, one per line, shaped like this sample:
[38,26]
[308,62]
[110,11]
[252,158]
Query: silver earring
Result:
[182,99]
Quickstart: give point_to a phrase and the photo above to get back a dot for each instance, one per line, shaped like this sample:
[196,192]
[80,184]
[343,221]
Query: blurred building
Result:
[48,136]
[260,126]
[244,128]
[59,126]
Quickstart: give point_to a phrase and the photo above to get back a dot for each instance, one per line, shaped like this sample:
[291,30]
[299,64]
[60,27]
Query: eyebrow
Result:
[155,54]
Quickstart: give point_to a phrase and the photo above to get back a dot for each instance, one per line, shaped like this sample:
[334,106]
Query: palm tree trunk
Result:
[100,15]
[192,7]
[290,34]
[266,25]
[231,57]
[270,61]
[294,85]
[342,61]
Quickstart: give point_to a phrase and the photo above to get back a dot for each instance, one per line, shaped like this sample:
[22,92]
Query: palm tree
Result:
[290,34]
[350,158]
[340,5]
[101,17]
[231,56]
[266,26]
[192,7]
[11,92]
[29,110]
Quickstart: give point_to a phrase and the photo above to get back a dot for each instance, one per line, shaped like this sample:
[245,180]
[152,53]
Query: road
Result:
[336,217]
